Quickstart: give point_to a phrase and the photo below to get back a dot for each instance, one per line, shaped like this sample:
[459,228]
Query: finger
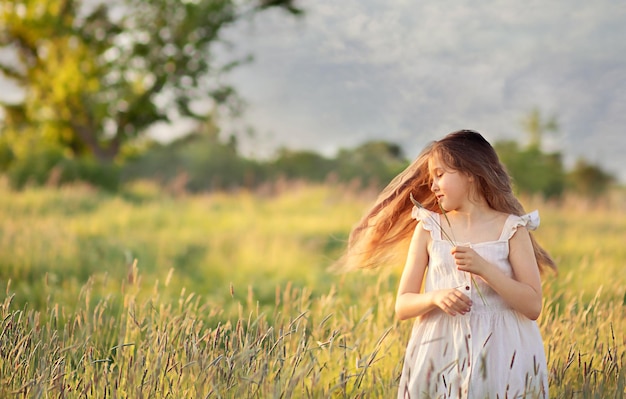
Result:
[465,267]
[462,303]
[467,302]
[464,298]
[452,305]
[448,308]
[460,254]
[461,309]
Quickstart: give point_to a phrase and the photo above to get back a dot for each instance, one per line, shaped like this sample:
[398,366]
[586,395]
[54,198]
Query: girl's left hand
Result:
[467,260]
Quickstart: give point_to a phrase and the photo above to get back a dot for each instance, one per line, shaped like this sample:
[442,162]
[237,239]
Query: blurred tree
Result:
[199,161]
[96,74]
[532,170]
[589,179]
[306,165]
[536,127]
[374,162]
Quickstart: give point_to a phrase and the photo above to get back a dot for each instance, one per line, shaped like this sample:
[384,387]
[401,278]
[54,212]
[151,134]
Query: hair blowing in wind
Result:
[383,234]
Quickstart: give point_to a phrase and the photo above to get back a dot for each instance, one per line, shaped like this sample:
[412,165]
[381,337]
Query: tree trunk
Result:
[104,152]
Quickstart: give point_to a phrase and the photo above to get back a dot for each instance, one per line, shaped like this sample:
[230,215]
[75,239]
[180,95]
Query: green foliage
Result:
[6,156]
[536,127]
[536,172]
[373,163]
[97,75]
[198,162]
[47,164]
[589,180]
[86,169]
[306,165]
[204,162]
[532,171]
[35,167]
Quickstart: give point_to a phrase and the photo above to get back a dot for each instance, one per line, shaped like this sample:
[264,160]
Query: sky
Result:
[410,72]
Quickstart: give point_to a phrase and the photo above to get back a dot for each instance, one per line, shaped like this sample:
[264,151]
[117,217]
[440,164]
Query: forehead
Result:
[436,161]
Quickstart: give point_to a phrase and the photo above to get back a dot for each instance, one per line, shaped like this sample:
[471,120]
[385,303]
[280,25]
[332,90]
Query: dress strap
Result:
[430,221]
[530,221]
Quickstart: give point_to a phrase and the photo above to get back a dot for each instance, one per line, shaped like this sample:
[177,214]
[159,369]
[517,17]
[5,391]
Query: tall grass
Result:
[144,295]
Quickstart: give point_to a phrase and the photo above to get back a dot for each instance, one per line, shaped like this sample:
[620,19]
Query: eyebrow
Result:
[435,171]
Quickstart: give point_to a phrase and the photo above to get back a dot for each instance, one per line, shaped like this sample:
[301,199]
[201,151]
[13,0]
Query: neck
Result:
[473,211]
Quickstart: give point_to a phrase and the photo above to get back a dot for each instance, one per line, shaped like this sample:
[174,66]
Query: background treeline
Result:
[202,161]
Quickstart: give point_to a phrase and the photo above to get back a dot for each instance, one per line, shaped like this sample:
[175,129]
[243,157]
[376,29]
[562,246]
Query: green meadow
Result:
[147,294]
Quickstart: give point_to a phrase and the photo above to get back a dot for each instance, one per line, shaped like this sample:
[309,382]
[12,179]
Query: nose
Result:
[434,187]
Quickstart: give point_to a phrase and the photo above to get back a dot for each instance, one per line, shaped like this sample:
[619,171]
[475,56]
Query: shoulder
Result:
[426,222]
[422,214]
[520,223]
[529,220]
[428,219]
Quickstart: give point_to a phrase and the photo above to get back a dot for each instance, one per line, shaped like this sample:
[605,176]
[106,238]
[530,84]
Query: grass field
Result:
[144,294]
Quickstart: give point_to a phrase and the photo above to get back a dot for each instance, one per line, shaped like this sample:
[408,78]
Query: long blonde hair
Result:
[383,234]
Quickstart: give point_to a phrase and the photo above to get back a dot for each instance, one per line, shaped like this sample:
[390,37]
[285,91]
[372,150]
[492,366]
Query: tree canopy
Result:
[97,74]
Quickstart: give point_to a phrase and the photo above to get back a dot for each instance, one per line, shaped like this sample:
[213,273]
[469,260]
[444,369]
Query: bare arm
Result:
[410,301]
[523,291]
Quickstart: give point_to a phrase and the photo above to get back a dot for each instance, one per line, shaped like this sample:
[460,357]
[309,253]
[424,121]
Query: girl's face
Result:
[451,187]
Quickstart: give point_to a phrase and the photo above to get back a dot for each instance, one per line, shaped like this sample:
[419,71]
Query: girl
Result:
[471,278]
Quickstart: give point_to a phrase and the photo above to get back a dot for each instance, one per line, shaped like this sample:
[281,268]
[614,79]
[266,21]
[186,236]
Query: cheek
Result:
[451,188]
[441,185]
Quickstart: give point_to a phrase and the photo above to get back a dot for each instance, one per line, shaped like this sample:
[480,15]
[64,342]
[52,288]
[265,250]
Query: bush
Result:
[34,168]
[306,165]
[6,156]
[196,163]
[533,171]
[48,165]
[88,170]
[373,163]
[589,180]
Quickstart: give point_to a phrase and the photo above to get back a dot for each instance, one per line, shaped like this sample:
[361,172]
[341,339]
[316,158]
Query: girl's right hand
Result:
[452,301]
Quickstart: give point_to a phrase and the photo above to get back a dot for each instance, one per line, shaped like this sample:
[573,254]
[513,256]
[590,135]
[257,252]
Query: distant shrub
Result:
[6,156]
[373,163]
[88,170]
[309,165]
[533,171]
[589,179]
[34,168]
[49,165]
[197,162]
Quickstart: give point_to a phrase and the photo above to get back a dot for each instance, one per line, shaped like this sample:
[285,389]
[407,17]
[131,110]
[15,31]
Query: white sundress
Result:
[492,351]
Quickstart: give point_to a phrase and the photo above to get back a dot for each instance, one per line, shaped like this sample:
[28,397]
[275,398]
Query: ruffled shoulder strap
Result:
[429,220]
[530,221]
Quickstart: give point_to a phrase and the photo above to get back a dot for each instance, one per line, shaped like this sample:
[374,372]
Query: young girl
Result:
[471,277]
